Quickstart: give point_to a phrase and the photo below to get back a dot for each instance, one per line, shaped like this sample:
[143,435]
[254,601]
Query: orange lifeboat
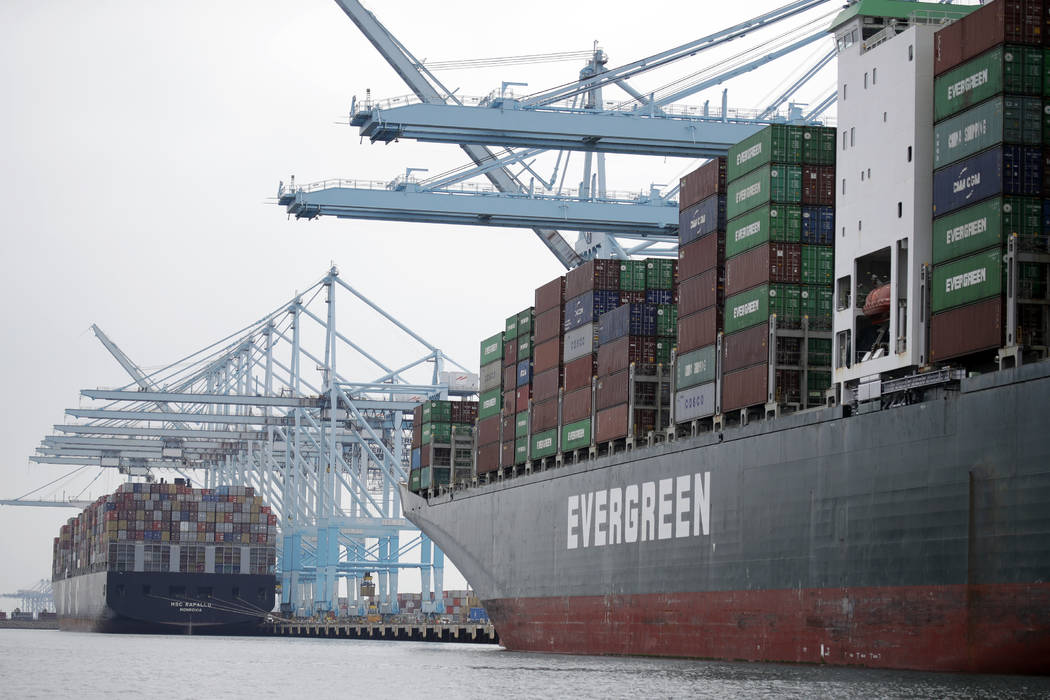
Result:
[877,304]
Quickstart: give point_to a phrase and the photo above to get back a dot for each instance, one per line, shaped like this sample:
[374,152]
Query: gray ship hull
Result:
[909,537]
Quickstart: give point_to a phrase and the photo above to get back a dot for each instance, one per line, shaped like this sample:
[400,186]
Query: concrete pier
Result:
[404,632]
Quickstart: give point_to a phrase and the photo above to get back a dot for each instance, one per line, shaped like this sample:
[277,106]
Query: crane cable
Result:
[509,60]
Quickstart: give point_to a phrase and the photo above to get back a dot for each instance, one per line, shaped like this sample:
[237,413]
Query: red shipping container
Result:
[545,385]
[521,399]
[510,353]
[612,390]
[745,348]
[701,255]
[547,355]
[698,293]
[578,373]
[699,330]
[488,458]
[506,427]
[1001,22]
[611,424]
[417,433]
[510,376]
[510,402]
[548,325]
[966,330]
[772,262]
[576,405]
[620,353]
[544,416]
[818,185]
[507,454]
[593,274]
[550,296]
[708,179]
[745,387]
[424,454]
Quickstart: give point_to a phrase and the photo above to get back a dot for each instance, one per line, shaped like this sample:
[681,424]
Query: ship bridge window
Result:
[911,52]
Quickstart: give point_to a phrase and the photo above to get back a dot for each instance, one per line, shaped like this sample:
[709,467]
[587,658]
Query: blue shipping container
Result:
[587,307]
[659,296]
[524,372]
[818,225]
[701,219]
[629,319]
[415,458]
[1000,170]
[477,615]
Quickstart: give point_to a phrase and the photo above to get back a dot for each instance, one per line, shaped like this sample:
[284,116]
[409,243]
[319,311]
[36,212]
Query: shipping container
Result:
[699,329]
[701,255]
[521,399]
[510,352]
[1009,119]
[666,320]
[507,453]
[549,296]
[580,342]
[576,435]
[984,225]
[966,330]
[745,348]
[967,280]
[694,402]
[521,450]
[436,411]
[488,459]
[781,223]
[629,319]
[612,389]
[620,353]
[511,330]
[510,401]
[587,307]
[544,416]
[1032,281]
[521,424]
[779,143]
[492,349]
[525,323]
[816,303]
[592,275]
[772,262]
[818,225]
[707,180]
[548,324]
[1001,22]
[632,276]
[631,297]
[547,355]
[524,347]
[578,372]
[661,273]
[777,183]
[818,145]
[701,219]
[1013,69]
[490,403]
[747,309]
[660,296]
[1015,170]
[818,185]
[545,384]
[818,265]
[611,424]
[745,387]
[524,372]
[664,346]
[576,405]
[510,374]
[696,367]
[544,444]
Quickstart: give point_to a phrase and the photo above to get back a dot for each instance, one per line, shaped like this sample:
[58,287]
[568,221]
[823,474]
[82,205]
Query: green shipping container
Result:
[666,320]
[968,280]
[746,309]
[816,302]
[441,476]
[663,350]
[968,230]
[818,264]
[1031,280]
[770,183]
[576,435]
[424,477]
[413,481]
[492,349]
[819,354]
[521,450]
[525,323]
[778,143]
[775,222]
[632,275]
[785,300]
[1013,120]
[490,403]
[695,367]
[437,411]
[659,273]
[544,444]
[524,347]
[441,433]
[1011,69]
[818,145]
[817,384]
[511,329]
[521,424]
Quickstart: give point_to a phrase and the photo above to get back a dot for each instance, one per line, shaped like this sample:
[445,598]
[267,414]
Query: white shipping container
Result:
[578,342]
[694,402]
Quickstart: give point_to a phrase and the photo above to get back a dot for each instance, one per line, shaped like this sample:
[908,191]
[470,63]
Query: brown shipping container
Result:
[545,385]
[550,296]
[620,353]
[708,179]
[611,424]
[578,373]
[818,185]
[745,348]
[948,47]
[612,390]
[417,433]
[521,400]
[698,293]
[772,262]
[510,354]
[745,387]
[509,402]
[488,458]
[507,454]
[1001,22]
[547,325]
[507,426]
[424,456]
[701,255]
[510,375]
[488,430]
[966,330]
[546,355]
[576,405]
[594,274]
[544,416]
[699,330]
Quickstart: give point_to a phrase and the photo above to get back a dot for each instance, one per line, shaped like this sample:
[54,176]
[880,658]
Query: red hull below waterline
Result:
[980,629]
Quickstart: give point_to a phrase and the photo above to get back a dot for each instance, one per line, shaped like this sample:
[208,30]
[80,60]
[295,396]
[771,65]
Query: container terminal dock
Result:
[779,411]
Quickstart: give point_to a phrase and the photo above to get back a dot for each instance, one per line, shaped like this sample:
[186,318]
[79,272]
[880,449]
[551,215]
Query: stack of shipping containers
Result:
[991,133]
[781,183]
[549,310]
[490,402]
[442,443]
[701,272]
[517,380]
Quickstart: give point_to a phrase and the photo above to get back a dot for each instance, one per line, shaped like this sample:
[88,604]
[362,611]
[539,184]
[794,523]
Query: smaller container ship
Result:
[167,559]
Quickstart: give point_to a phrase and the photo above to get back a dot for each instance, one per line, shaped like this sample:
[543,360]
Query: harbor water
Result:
[52,664]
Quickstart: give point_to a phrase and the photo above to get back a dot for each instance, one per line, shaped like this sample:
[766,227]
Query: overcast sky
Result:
[142,143]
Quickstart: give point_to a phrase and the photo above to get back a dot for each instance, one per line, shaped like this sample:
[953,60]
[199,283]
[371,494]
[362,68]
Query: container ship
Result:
[819,436]
[167,559]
